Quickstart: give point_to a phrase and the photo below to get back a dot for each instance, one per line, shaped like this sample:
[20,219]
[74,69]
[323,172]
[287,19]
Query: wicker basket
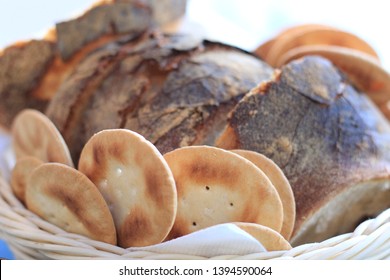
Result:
[30,237]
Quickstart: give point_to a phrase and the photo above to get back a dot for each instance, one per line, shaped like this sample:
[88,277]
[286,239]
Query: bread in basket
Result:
[141,82]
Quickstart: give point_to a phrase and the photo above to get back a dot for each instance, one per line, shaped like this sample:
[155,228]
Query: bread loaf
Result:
[32,71]
[329,139]
[175,90]
[21,67]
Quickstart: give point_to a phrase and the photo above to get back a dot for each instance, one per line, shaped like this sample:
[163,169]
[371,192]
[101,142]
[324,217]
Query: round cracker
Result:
[269,238]
[280,182]
[266,50]
[217,186]
[319,36]
[136,182]
[263,50]
[35,135]
[20,174]
[67,198]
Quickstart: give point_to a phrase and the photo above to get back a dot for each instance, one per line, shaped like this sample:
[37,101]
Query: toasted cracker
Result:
[265,50]
[35,135]
[20,174]
[136,182]
[216,186]
[280,182]
[67,198]
[269,238]
[323,36]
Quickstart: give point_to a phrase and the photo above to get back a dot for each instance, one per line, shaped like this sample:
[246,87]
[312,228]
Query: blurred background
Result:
[244,23]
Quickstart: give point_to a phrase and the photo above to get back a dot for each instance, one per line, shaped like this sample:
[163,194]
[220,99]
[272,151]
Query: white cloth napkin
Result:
[218,240]
[6,156]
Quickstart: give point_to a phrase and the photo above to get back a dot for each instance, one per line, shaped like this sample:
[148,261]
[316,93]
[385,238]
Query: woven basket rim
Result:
[30,237]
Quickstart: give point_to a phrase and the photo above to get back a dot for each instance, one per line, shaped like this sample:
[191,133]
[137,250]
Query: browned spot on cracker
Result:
[117,150]
[134,229]
[151,186]
[248,214]
[98,154]
[70,199]
[205,172]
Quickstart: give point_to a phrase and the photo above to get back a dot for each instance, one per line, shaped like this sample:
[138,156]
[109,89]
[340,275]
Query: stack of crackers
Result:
[125,192]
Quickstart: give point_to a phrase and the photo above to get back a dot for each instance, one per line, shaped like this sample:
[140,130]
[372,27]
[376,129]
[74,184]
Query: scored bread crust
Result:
[113,19]
[22,66]
[175,90]
[32,71]
[326,137]
[103,20]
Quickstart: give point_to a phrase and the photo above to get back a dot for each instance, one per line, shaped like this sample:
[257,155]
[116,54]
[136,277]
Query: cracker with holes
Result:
[65,197]
[216,186]
[269,238]
[136,182]
[280,182]
[35,135]
[20,174]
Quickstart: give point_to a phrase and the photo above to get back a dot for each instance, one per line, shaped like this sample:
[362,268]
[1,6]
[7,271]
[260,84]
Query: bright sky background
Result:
[244,23]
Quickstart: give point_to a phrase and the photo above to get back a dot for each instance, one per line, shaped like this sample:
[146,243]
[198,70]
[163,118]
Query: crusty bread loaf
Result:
[105,19]
[112,18]
[350,53]
[21,67]
[175,90]
[32,71]
[329,139]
